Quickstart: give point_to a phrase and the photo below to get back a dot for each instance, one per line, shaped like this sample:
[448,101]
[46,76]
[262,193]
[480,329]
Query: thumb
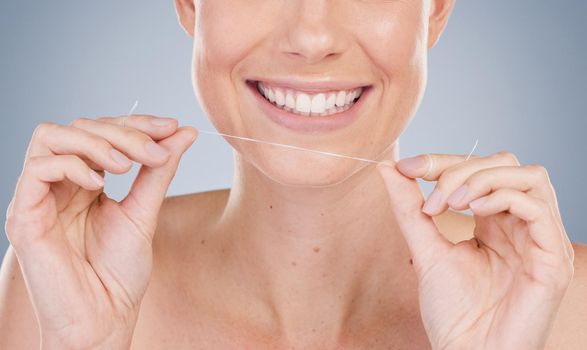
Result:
[425,242]
[147,193]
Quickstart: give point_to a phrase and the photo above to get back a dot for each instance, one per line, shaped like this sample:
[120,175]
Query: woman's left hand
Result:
[502,288]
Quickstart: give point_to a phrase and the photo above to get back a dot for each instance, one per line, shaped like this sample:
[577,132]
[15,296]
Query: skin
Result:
[304,251]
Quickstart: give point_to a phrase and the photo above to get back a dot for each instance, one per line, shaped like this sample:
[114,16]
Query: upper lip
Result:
[313,85]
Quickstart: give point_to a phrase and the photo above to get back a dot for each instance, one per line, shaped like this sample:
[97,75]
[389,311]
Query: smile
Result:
[310,105]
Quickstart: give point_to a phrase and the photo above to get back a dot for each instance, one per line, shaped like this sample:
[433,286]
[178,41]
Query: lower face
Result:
[347,81]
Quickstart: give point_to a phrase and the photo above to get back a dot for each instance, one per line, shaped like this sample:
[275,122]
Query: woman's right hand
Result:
[86,259]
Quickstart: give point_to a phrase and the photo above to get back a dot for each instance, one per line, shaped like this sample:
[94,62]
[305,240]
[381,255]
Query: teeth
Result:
[303,103]
[279,98]
[349,97]
[290,101]
[330,100]
[318,104]
[321,104]
[340,99]
[270,94]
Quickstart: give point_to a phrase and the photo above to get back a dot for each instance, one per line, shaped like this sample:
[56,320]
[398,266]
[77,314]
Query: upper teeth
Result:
[310,104]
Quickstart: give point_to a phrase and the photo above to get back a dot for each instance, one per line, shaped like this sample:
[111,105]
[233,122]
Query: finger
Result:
[431,166]
[425,242]
[532,179]
[157,128]
[54,139]
[135,144]
[40,172]
[144,200]
[454,176]
[523,178]
[535,211]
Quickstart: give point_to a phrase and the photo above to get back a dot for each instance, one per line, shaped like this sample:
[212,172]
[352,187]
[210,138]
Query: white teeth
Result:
[279,97]
[270,94]
[348,98]
[318,104]
[303,103]
[290,101]
[340,99]
[330,100]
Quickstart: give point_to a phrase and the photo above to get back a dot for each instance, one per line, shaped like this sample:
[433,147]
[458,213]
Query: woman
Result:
[305,251]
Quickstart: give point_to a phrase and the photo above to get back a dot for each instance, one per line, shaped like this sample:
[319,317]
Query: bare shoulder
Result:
[185,218]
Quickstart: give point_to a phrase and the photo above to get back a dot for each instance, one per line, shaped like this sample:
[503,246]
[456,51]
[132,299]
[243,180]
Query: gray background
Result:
[509,73]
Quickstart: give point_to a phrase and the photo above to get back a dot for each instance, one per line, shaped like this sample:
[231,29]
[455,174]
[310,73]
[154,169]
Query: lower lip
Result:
[303,124]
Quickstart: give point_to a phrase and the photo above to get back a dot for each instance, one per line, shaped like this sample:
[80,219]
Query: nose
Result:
[313,32]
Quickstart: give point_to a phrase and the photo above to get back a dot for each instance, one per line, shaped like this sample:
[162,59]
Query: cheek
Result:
[225,36]
[396,45]
[395,37]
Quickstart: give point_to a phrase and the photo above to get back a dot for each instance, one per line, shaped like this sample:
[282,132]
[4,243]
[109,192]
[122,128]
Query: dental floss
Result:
[476,142]
[133,108]
[290,147]
[129,113]
[308,149]
[330,154]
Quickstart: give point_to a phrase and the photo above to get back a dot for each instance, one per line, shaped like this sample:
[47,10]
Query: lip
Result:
[304,124]
[313,86]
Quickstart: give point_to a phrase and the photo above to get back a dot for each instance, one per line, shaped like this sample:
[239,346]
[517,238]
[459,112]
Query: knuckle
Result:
[105,119]
[539,172]
[509,157]
[42,129]
[9,223]
[14,228]
[33,164]
[446,175]
[10,208]
[80,122]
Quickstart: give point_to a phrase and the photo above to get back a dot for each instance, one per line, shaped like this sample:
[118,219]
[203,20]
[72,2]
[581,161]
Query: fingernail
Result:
[457,196]
[478,203]
[99,180]
[155,150]
[433,202]
[162,121]
[119,158]
[411,164]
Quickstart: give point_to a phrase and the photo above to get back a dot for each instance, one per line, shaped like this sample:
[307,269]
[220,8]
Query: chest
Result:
[160,327]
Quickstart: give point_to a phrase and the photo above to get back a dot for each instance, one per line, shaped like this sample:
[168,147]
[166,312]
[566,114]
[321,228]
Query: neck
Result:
[320,254]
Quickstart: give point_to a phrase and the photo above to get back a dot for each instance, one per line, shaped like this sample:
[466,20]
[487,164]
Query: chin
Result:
[290,168]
